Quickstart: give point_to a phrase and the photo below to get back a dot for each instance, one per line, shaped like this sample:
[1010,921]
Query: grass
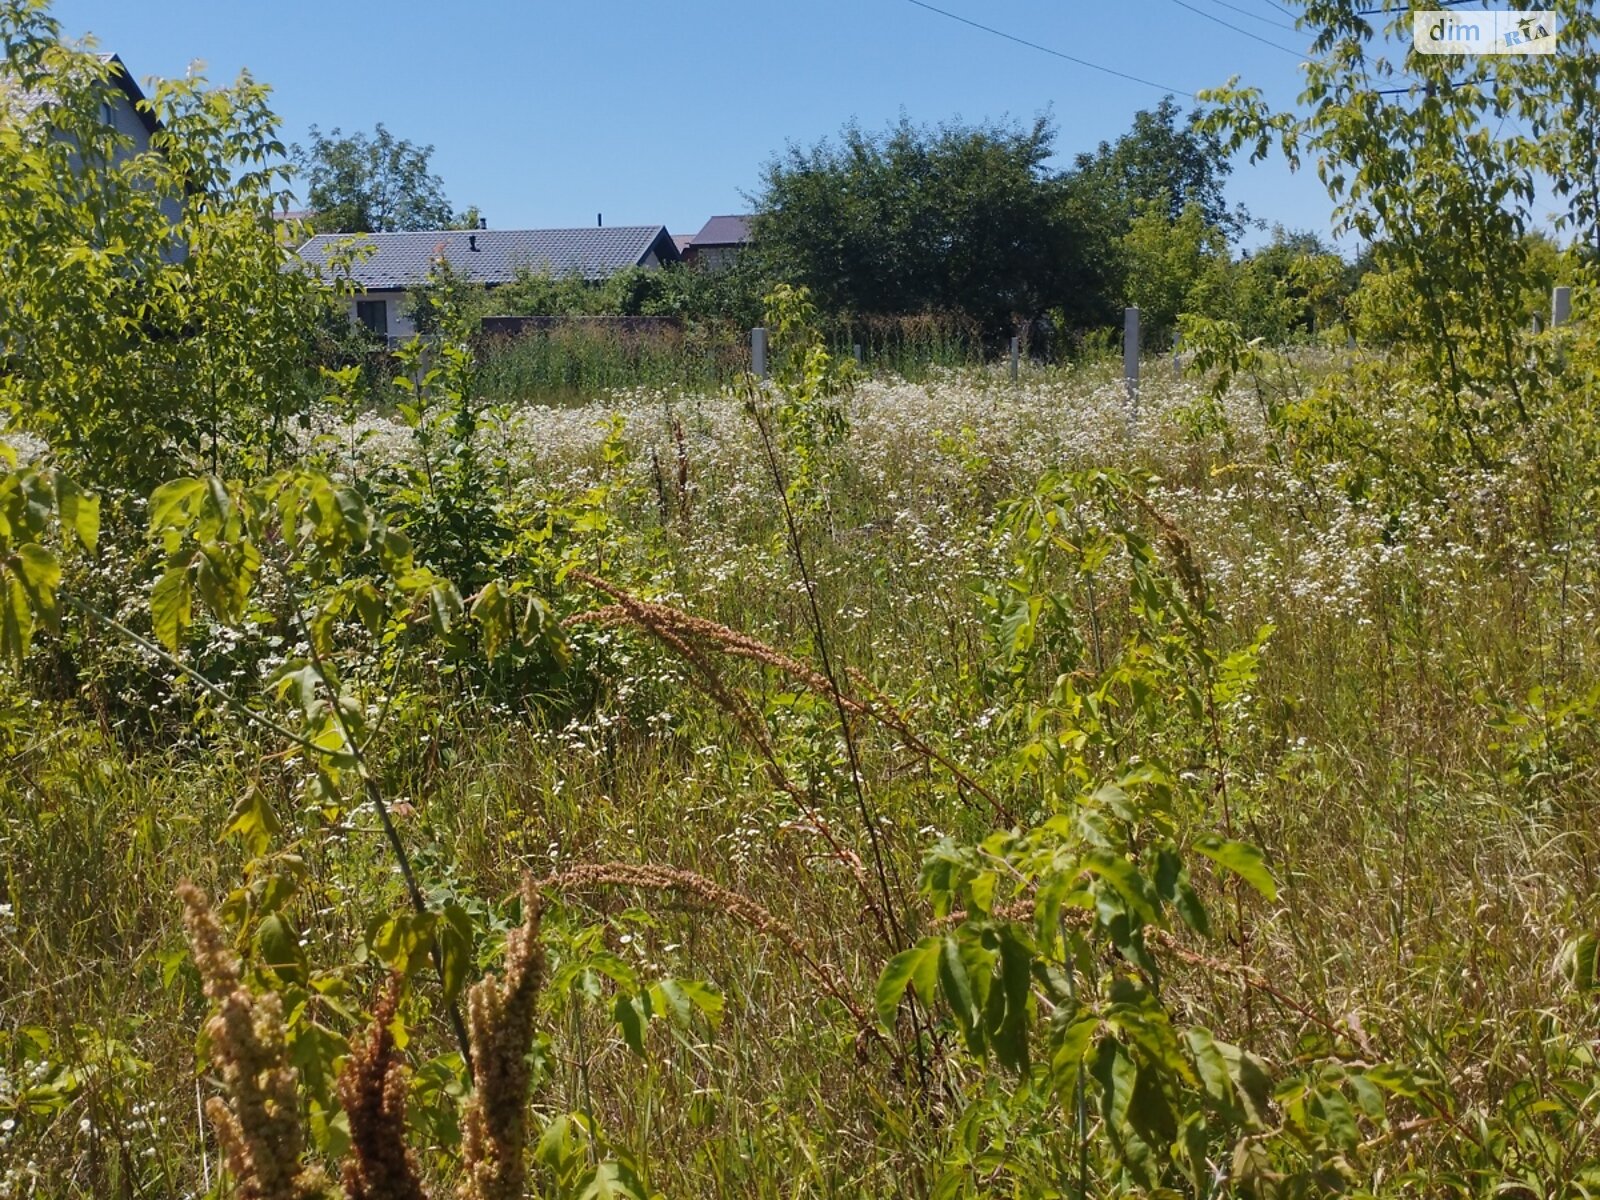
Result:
[570,364]
[1425,803]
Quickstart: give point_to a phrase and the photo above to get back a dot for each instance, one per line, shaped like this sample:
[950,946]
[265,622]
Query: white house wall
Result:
[400,325]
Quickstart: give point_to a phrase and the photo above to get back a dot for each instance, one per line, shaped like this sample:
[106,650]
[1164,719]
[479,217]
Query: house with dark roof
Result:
[386,266]
[719,242]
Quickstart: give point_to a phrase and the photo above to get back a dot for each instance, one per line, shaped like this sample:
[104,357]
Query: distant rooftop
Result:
[400,260]
[724,231]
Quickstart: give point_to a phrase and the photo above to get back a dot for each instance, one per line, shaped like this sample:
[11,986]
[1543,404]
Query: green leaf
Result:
[610,1181]
[253,822]
[1210,1065]
[172,605]
[957,986]
[279,947]
[80,512]
[403,941]
[914,967]
[172,504]
[1579,961]
[681,998]
[1252,1083]
[492,611]
[1137,893]
[1009,1033]
[16,617]
[1330,1109]
[632,1015]
[444,607]
[1071,1045]
[40,574]
[1243,859]
[455,948]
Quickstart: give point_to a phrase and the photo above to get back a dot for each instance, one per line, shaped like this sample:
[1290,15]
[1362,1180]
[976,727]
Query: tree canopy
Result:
[973,219]
[1166,162]
[377,184]
[952,218]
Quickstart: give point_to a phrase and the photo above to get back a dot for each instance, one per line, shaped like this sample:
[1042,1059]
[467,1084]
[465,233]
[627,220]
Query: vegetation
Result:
[378,184]
[830,786]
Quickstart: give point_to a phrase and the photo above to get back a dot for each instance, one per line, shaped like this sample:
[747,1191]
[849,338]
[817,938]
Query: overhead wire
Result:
[1254,16]
[1082,62]
[1245,32]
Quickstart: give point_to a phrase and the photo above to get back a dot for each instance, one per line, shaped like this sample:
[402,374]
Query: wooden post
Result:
[1130,352]
[758,352]
[1016,358]
[1560,306]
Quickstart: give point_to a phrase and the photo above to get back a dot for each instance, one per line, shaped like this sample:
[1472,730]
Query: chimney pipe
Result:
[599,221]
[472,241]
[483,222]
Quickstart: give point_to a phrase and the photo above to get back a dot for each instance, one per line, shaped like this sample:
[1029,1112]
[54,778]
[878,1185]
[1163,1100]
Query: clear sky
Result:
[544,114]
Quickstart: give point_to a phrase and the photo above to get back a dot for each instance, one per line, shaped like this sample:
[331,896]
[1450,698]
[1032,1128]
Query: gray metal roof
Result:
[724,231]
[400,260]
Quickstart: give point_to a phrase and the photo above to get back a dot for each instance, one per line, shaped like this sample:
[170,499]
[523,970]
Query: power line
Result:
[1082,62]
[1228,25]
[1373,12]
[1256,16]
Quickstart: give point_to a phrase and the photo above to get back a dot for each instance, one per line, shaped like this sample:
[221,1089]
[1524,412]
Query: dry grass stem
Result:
[257,1120]
[500,1014]
[651,878]
[372,1091]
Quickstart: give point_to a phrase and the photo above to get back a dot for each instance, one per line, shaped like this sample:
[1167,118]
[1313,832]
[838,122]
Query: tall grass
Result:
[579,358]
[1420,768]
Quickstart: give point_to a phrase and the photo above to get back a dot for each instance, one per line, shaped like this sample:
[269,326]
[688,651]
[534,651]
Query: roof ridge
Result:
[480,232]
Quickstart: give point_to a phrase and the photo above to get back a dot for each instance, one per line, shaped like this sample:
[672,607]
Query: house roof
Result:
[724,231]
[400,260]
[24,102]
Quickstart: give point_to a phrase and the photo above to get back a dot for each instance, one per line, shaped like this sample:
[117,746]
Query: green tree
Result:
[1294,285]
[1165,261]
[1165,162]
[145,311]
[1416,155]
[964,219]
[377,184]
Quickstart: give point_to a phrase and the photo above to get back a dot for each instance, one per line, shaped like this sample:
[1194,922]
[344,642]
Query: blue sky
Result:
[544,114]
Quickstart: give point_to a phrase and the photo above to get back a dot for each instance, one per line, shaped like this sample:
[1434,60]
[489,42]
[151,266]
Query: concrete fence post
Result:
[1177,360]
[857,350]
[1016,358]
[758,352]
[1130,352]
[1560,307]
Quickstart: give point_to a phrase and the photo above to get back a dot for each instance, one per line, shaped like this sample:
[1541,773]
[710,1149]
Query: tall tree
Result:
[956,218]
[377,184]
[1164,161]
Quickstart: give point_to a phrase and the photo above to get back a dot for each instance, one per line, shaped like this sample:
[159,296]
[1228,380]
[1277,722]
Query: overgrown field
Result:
[1157,647]
[821,786]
